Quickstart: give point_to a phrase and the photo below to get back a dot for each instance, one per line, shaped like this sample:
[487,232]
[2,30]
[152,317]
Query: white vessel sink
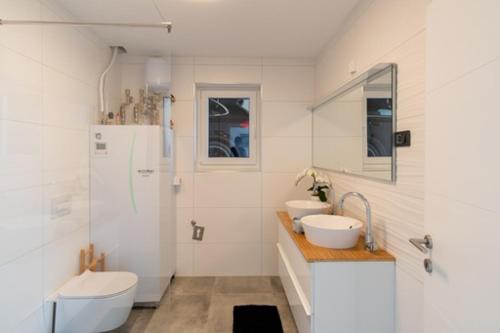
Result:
[332,231]
[301,208]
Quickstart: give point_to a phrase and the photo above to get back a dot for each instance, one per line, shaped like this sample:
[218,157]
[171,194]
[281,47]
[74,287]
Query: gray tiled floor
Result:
[205,305]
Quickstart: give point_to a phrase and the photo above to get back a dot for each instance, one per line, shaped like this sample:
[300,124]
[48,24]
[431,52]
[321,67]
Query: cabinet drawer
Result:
[299,265]
[299,305]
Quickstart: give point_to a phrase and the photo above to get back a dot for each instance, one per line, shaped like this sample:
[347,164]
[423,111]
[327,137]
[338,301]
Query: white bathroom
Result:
[265,166]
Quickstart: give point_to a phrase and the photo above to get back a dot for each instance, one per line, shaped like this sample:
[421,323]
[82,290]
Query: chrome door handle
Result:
[423,244]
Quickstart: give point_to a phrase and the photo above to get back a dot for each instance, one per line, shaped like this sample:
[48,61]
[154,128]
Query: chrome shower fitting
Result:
[154,102]
[145,111]
[139,107]
[121,116]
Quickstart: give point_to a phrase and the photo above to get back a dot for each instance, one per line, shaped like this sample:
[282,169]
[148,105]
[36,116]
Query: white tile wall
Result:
[230,225]
[21,216]
[184,229]
[22,290]
[281,119]
[285,154]
[219,259]
[66,103]
[269,225]
[184,154]
[59,258]
[132,75]
[227,189]
[277,188]
[55,228]
[183,116]
[15,37]
[230,204]
[369,36]
[48,86]
[184,260]
[381,31]
[269,259]
[183,83]
[21,161]
[185,192]
[288,83]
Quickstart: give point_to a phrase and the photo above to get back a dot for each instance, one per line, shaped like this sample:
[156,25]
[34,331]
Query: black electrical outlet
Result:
[402,139]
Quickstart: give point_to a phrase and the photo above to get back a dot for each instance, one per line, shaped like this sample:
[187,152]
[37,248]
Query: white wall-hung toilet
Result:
[94,302]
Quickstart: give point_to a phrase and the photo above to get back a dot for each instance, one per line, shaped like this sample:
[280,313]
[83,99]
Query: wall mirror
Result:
[353,129]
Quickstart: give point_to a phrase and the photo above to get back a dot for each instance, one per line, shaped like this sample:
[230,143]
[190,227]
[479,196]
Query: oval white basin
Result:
[301,208]
[332,231]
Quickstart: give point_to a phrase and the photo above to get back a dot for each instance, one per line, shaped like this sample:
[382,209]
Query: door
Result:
[462,192]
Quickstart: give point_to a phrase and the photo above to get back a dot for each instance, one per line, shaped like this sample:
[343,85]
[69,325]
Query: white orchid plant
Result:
[321,183]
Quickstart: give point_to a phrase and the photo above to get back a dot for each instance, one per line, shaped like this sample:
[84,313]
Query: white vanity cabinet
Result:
[335,291]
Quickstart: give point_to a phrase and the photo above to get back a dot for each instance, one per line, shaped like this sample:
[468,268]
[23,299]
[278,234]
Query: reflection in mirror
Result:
[353,129]
[228,127]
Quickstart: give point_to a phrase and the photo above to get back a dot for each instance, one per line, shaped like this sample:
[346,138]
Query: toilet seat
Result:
[94,302]
[95,285]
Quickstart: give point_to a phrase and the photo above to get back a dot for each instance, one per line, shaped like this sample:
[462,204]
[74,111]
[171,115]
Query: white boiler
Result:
[132,203]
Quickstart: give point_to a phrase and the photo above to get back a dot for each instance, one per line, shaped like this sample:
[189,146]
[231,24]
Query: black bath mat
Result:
[256,319]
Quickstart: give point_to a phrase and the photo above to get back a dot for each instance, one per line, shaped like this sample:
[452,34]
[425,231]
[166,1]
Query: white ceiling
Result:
[245,28]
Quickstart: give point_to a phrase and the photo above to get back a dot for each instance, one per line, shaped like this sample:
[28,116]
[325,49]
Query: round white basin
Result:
[332,231]
[301,208]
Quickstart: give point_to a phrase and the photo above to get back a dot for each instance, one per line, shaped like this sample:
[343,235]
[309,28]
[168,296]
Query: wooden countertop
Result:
[314,253]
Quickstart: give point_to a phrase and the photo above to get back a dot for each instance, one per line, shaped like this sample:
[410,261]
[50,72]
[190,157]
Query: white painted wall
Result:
[238,208]
[48,91]
[389,31]
[462,185]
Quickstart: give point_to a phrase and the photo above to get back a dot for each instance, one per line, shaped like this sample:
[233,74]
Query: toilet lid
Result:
[98,284]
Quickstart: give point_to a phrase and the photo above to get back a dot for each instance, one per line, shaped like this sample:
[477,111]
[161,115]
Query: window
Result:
[227,127]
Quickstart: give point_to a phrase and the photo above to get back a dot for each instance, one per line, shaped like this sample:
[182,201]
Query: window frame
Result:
[203,93]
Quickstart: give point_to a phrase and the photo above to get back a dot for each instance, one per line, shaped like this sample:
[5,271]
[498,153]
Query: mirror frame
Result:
[375,70]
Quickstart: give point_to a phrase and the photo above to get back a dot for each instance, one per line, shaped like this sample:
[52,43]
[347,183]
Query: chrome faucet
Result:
[369,241]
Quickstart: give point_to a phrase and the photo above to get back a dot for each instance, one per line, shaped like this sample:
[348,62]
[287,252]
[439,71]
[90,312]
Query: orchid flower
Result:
[321,182]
